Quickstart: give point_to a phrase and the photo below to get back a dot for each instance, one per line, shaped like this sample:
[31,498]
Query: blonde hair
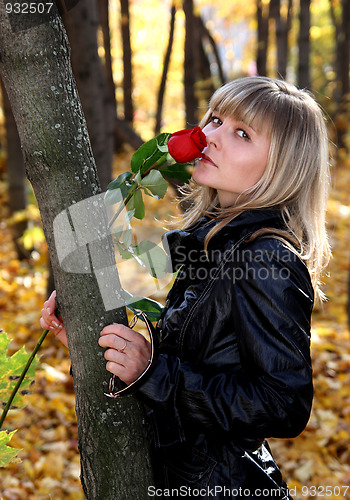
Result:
[296,178]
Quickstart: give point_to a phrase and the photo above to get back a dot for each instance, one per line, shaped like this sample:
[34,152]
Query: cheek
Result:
[261,163]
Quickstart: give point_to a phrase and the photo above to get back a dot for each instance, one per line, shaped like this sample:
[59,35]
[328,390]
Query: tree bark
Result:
[262,35]
[282,26]
[166,64]
[127,61]
[59,163]
[342,63]
[81,24]
[206,34]
[204,78]
[344,48]
[304,44]
[103,14]
[15,174]
[191,103]
[348,304]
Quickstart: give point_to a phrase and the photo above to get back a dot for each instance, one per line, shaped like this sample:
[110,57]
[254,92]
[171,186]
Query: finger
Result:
[43,324]
[120,330]
[50,319]
[116,357]
[54,327]
[50,303]
[116,369]
[113,341]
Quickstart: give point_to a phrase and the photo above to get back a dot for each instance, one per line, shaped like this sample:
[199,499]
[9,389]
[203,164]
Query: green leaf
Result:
[137,178]
[148,153]
[177,171]
[136,203]
[125,254]
[156,183]
[7,454]
[114,196]
[151,308]
[128,216]
[127,237]
[119,181]
[11,369]
[152,257]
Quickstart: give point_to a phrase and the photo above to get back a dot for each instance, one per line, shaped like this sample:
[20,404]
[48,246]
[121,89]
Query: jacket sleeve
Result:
[271,299]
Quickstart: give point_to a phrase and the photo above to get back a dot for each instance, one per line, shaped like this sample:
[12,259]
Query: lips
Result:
[207,159]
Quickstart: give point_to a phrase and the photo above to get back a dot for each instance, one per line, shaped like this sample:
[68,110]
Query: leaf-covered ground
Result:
[47,430]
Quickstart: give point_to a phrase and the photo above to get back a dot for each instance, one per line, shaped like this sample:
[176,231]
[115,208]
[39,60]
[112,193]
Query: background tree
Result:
[127,62]
[15,174]
[81,24]
[282,27]
[60,166]
[204,78]
[341,24]
[304,44]
[166,64]
[103,14]
[205,34]
[191,102]
[262,13]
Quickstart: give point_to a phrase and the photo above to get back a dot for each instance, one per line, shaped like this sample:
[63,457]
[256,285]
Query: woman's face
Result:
[234,160]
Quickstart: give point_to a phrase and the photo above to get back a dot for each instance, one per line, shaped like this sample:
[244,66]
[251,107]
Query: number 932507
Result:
[28,8]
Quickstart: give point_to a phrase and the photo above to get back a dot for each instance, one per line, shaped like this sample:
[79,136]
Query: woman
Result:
[234,360]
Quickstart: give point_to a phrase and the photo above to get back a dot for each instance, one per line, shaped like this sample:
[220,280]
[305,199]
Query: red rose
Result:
[187,145]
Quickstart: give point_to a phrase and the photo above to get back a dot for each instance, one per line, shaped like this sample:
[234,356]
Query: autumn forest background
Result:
[144,67]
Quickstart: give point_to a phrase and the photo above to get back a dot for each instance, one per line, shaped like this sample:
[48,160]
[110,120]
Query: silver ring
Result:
[124,346]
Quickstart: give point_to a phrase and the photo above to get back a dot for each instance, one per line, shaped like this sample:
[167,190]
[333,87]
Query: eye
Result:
[243,134]
[216,120]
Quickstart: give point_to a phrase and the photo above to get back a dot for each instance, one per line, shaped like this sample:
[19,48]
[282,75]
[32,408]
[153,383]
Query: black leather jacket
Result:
[234,360]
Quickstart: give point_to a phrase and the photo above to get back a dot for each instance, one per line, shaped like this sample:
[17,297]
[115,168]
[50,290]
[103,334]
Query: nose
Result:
[212,136]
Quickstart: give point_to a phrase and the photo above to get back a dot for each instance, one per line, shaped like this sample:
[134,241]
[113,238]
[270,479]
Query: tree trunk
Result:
[304,44]
[348,304]
[191,103]
[127,62]
[262,34]
[206,34]
[15,174]
[204,83]
[341,92]
[166,64]
[103,14]
[81,24]
[344,48]
[342,36]
[59,163]
[282,26]
[125,133]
